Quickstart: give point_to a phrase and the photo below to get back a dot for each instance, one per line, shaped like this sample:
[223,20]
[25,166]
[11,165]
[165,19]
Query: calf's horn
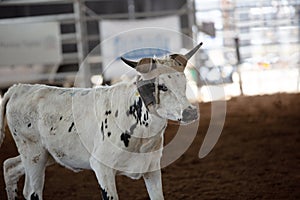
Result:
[193,51]
[132,64]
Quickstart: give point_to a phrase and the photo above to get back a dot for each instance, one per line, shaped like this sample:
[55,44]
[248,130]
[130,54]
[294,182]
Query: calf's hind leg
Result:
[13,170]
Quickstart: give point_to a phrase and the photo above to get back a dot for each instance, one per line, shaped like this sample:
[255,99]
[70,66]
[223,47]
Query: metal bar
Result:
[94,59]
[33,2]
[36,77]
[46,18]
[37,2]
[69,38]
[93,37]
[70,58]
[137,15]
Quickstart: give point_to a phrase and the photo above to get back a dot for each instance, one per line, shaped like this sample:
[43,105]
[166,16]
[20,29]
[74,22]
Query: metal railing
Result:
[79,17]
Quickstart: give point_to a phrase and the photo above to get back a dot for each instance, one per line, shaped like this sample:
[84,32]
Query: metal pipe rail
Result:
[64,18]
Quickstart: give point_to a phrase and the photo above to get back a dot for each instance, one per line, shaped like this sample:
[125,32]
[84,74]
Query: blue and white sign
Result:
[135,39]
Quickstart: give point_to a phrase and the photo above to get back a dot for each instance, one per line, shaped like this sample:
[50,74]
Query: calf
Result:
[111,130]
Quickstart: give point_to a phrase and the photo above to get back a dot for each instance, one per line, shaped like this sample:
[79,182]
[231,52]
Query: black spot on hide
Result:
[136,110]
[117,113]
[107,112]
[146,117]
[52,131]
[60,118]
[102,130]
[105,121]
[34,196]
[108,134]
[29,125]
[15,132]
[125,138]
[72,125]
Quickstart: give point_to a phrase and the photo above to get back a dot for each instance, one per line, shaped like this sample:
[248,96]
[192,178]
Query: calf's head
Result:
[161,84]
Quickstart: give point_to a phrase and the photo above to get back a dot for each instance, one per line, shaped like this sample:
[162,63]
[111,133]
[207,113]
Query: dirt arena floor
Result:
[256,157]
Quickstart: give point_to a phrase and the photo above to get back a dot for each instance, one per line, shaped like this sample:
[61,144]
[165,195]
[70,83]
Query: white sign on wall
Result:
[135,39]
[30,43]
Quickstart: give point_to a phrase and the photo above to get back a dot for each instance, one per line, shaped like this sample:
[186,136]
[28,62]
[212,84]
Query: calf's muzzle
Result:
[189,114]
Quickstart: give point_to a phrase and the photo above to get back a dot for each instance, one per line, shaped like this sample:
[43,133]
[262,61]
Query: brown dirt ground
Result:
[256,157]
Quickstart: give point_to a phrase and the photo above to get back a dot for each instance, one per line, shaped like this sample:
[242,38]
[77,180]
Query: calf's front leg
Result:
[106,179]
[154,185]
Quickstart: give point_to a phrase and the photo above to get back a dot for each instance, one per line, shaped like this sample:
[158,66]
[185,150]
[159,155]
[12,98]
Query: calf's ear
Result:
[180,59]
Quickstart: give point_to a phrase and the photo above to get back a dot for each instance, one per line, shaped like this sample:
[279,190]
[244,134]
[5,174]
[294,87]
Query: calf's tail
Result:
[5,100]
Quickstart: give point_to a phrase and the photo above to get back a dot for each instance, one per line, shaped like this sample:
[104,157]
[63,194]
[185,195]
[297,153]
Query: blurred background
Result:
[250,51]
[250,47]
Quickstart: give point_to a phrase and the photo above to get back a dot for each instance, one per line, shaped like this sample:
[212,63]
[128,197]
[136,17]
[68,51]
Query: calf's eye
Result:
[163,87]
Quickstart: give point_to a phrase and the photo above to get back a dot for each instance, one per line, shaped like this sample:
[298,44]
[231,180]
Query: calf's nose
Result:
[190,114]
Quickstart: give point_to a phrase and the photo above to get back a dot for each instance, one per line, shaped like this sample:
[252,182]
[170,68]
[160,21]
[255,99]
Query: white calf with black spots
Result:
[102,129]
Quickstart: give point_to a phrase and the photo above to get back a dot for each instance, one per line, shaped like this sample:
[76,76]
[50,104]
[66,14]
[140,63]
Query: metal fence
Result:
[79,27]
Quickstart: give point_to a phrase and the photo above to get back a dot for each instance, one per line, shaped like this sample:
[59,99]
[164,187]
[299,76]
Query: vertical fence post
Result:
[298,81]
[238,56]
[131,9]
[82,44]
